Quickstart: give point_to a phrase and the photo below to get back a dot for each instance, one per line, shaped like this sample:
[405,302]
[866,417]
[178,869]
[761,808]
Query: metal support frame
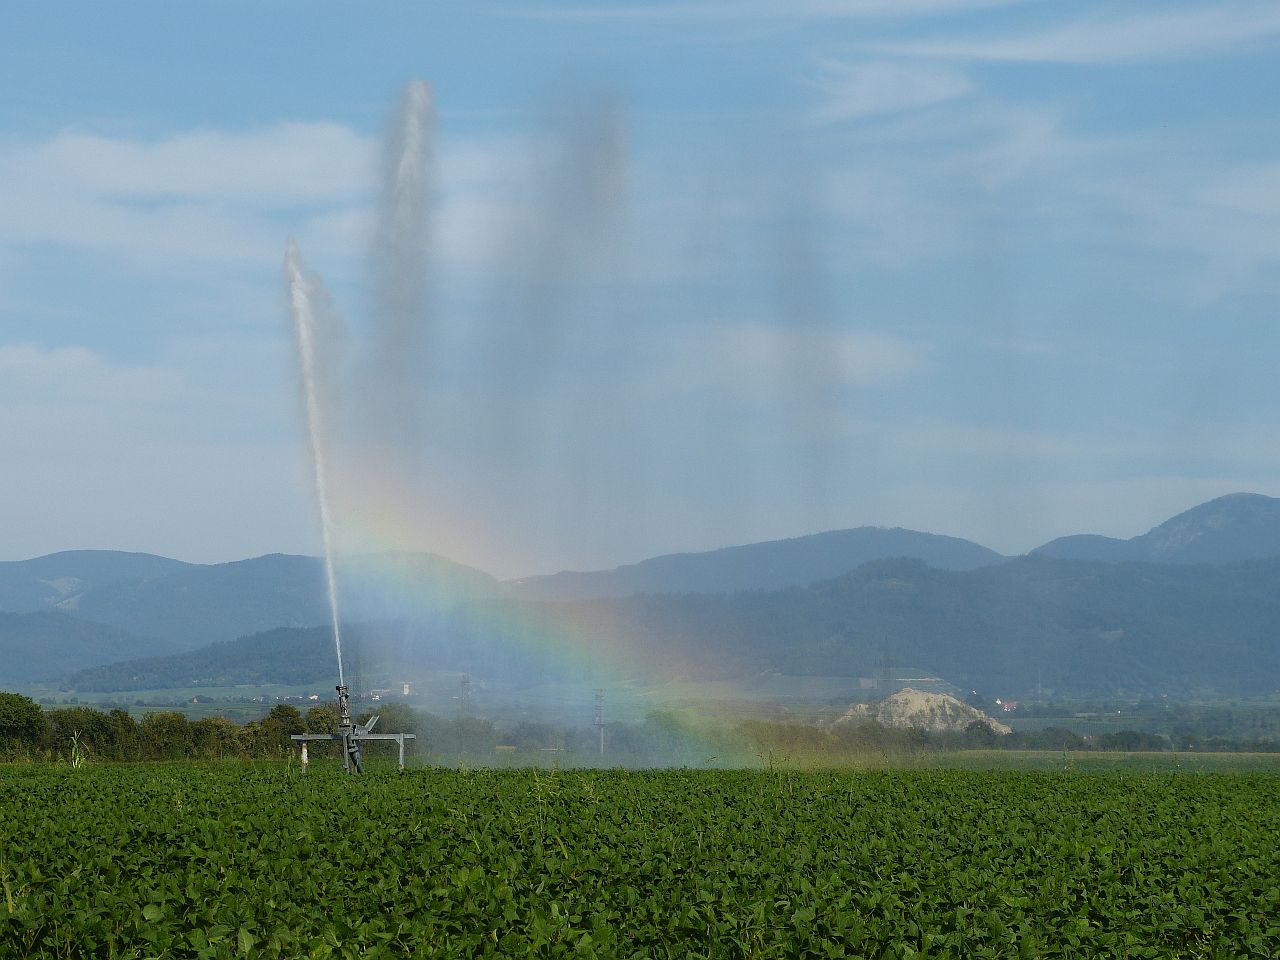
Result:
[350,734]
[598,722]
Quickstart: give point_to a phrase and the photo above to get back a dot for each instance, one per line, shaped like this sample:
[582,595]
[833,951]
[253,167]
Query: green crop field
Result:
[256,860]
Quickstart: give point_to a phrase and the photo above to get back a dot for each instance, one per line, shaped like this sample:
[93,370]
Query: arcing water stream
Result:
[400,259]
[302,306]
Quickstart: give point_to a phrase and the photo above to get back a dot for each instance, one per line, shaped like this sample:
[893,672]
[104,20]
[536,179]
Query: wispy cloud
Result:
[281,164]
[1159,34]
[203,195]
[1254,191]
[730,10]
[79,375]
[232,196]
[851,91]
[1218,221]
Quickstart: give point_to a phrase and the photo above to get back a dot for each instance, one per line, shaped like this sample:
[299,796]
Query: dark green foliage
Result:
[218,738]
[96,736]
[166,735]
[161,735]
[22,723]
[322,718]
[287,719]
[92,729]
[126,743]
[233,860]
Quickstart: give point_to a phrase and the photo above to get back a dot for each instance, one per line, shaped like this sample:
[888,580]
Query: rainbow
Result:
[381,562]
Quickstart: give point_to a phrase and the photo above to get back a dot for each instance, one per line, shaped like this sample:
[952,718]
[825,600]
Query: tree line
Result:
[664,738]
[29,732]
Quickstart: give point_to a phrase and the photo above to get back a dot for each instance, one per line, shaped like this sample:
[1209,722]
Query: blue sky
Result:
[1004,270]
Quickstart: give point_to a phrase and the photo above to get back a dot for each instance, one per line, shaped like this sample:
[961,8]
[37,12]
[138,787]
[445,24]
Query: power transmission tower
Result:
[598,722]
[887,663]
[464,697]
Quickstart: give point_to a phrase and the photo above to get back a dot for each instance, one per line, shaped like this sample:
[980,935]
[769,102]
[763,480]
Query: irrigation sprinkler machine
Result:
[352,734]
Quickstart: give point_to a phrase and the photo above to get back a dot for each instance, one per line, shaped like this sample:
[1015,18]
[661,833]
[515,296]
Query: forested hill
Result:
[36,646]
[284,655]
[1071,627]
[57,580]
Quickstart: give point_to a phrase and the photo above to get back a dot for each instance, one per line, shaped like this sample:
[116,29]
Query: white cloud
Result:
[1116,38]
[1024,141]
[65,376]
[206,195]
[934,185]
[203,384]
[230,198]
[852,91]
[278,165]
[1218,223]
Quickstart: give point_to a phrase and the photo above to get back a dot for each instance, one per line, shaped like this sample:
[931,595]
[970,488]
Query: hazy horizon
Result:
[627,561]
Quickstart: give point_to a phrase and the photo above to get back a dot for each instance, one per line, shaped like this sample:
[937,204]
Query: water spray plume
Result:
[303,292]
[400,262]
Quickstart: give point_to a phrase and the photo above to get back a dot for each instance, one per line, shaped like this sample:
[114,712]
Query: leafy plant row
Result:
[229,860]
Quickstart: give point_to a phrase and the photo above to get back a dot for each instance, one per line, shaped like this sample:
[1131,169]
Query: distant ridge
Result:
[58,579]
[1236,527]
[771,565]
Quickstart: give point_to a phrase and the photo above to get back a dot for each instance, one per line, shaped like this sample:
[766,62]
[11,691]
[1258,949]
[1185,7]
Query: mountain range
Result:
[1239,526]
[759,566]
[1067,627]
[98,607]
[84,608]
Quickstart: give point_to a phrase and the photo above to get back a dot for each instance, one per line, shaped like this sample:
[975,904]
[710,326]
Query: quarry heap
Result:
[910,709]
